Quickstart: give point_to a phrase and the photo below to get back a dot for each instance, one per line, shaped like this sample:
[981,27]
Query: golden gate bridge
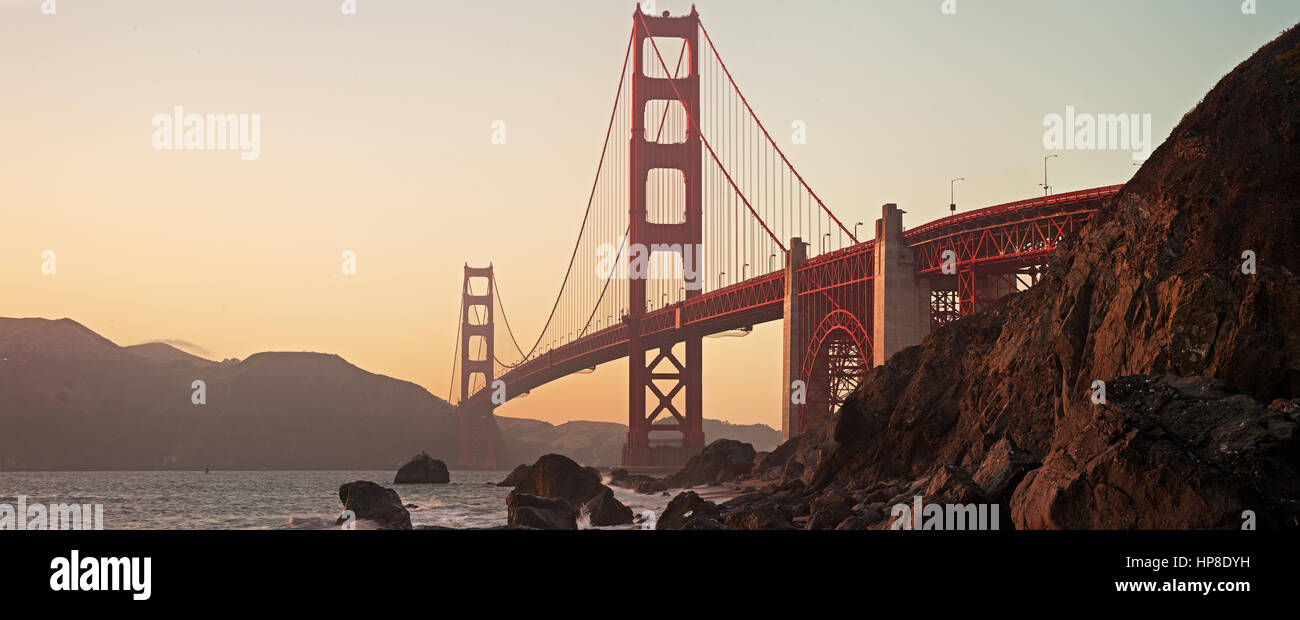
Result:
[689,178]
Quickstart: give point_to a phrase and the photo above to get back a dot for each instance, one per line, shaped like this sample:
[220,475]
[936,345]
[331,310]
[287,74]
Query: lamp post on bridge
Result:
[855,230]
[743,271]
[769,263]
[825,242]
[1047,189]
[952,194]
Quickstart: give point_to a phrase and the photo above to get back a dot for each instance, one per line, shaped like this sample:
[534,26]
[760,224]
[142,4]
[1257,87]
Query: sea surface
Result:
[259,500]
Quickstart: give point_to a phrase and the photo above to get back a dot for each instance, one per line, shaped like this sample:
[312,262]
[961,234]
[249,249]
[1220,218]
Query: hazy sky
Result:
[376,137]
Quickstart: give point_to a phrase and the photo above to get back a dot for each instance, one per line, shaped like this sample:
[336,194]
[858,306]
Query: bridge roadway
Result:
[989,242]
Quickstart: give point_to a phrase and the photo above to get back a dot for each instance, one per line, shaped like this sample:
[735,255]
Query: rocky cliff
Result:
[1198,353]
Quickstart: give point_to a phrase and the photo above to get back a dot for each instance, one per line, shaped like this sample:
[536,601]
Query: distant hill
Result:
[164,353]
[72,399]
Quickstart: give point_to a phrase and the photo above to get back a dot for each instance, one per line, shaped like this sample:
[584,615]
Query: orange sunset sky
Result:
[376,137]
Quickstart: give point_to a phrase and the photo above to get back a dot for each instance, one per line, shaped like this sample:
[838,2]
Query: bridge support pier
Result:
[901,300]
[792,345]
[687,382]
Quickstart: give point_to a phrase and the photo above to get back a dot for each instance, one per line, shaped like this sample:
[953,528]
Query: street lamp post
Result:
[1047,189]
[855,231]
[825,242]
[952,194]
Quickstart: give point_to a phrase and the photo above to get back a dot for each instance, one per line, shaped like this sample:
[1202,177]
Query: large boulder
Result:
[761,515]
[720,461]
[554,475]
[605,509]
[423,469]
[372,502]
[542,513]
[690,511]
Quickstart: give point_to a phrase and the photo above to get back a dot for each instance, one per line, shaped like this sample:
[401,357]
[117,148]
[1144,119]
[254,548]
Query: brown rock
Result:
[372,502]
[1166,453]
[423,469]
[1003,468]
[720,461]
[758,516]
[688,508]
[543,513]
[554,475]
[829,516]
[954,485]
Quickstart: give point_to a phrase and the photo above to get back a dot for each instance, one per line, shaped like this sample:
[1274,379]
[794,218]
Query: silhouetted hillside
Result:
[70,398]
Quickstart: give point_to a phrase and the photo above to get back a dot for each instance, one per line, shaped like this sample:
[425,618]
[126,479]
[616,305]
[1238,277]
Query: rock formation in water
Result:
[423,469]
[371,502]
[556,476]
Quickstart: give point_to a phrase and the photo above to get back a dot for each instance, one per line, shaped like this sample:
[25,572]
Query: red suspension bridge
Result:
[697,227]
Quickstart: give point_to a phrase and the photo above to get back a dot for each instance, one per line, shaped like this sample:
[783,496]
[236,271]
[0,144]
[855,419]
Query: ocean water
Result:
[255,500]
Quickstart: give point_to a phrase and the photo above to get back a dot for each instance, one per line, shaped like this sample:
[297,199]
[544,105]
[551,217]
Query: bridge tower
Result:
[648,153]
[478,425]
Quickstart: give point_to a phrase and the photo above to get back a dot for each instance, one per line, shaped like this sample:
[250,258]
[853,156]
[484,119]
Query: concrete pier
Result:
[791,348]
[901,300]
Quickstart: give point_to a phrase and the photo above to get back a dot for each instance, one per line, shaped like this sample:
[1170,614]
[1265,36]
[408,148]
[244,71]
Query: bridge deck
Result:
[1010,233]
